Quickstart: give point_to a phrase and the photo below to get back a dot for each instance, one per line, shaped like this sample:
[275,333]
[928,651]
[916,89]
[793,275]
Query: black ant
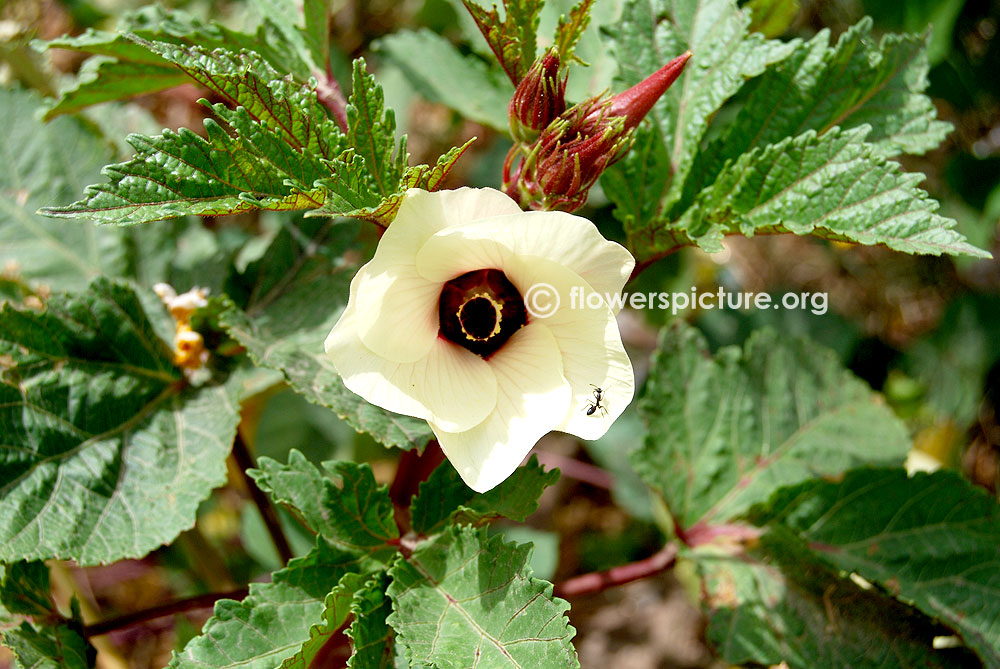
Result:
[595,405]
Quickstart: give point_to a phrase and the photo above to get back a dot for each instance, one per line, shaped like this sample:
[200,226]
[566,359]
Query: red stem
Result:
[330,96]
[168,609]
[657,563]
[413,469]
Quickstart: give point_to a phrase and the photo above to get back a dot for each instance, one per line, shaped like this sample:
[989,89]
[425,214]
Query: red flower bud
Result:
[538,99]
[558,170]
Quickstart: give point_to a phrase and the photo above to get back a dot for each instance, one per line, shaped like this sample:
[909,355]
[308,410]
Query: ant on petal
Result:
[595,405]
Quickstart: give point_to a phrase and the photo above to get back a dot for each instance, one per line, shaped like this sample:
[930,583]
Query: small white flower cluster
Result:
[436,327]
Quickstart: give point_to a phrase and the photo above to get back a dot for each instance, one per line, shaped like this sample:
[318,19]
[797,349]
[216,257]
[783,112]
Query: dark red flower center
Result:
[480,310]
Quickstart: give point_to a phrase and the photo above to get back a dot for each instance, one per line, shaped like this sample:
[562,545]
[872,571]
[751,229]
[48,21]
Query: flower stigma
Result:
[480,310]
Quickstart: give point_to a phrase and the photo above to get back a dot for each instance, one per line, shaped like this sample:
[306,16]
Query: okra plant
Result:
[158,288]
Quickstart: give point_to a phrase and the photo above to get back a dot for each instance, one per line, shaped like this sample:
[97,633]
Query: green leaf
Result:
[179,173]
[290,301]
[513,39]
[778,604]
[443,74]
[370,631]
[322,636]
[24,589]
[43,164]
[857,82]
[100,428]
[371,130]
[444,496]
[464,599]
[275,622]
[571,29]
[45,647]
[245,79]
[835,186]
[650,34]
[109,79]
[933,541]
[344,505]
[724,433]
[771,18]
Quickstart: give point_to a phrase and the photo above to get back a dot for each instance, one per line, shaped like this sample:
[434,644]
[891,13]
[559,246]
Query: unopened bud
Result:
[572,151]
[538,99]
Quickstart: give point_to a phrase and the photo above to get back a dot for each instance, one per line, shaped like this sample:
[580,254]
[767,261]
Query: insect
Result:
[595,405]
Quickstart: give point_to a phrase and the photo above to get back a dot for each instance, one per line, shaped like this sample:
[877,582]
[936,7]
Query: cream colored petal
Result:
[532,396]
[589,342]
[568,240]
[397,312]
[450,386]
[397,309]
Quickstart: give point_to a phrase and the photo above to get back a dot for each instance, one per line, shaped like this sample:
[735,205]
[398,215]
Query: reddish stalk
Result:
[413,469]
[168,609]
[657,563]
[245,461]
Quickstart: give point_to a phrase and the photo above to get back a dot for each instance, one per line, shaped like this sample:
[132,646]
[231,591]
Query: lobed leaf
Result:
[857,82]
[464,599]
[725,55]
[327,634]
[513,39]
[98,424]
[281,621]
[444,497]
[343,505]
[835,186]
[110,79]
[932,540]
[724,433]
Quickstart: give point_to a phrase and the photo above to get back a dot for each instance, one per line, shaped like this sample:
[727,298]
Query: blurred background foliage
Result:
[924,331]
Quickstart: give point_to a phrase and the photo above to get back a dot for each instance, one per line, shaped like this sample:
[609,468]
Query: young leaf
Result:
[834,185]
[279,620]
[343,505]
[464,599]
[571,29]
[445,496]
[98,424]
[933,541]
[44,164]
[443,74]
[513,39]
[48,647]
[290,301]
[650,34]
[778,604]
[724,433]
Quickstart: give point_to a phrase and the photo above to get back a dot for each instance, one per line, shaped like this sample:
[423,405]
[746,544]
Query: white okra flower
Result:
[481,319]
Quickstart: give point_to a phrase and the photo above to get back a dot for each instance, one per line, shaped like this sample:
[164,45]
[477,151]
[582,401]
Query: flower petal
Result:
[568,240]
[532,396]
[398,319]
[397,316]
[589,342]
[450,385]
